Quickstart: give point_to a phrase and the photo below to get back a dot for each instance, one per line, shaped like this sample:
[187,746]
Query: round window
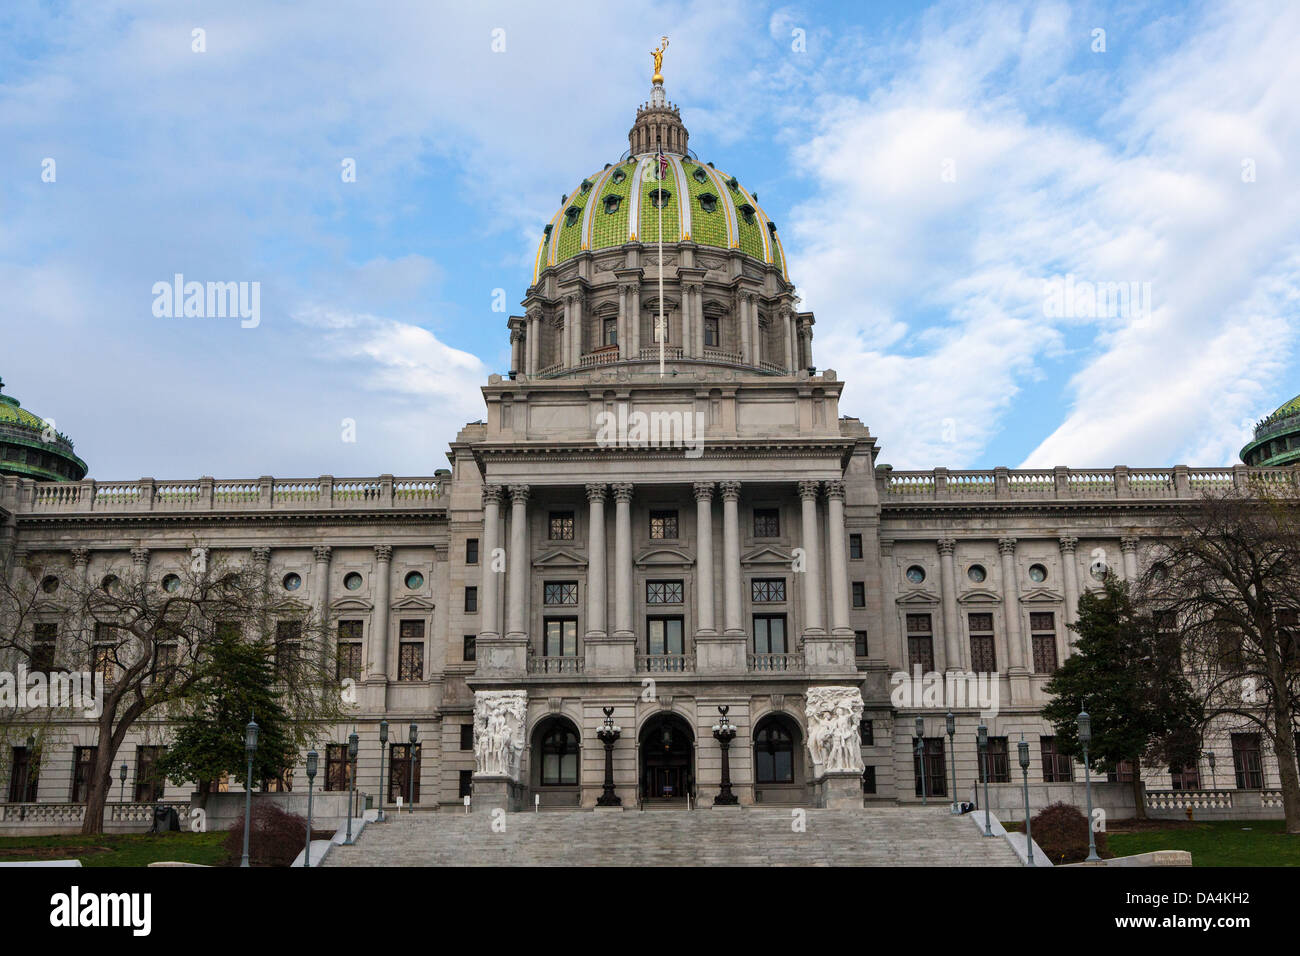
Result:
[976,573]
[291,582]
[171,583]
[50,584]
[916,574]
[415,580]
[352,581]
[110,580]
[1159,574]
[1037,573]
[1098,569]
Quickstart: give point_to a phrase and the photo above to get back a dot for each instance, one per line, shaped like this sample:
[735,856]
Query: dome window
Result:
[771,227]
[618,176]
[571,215]
[734,183]
[291,582]
[612,204]
[586,185]
[747,211]
[50,584]
[700,175]
[660,197]
[708,202]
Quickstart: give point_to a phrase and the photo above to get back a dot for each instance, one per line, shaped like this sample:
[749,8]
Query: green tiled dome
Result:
[30,449]
[1277,437]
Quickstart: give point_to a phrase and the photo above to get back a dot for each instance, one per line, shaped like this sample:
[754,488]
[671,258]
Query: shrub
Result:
[1061,831]
[278,836]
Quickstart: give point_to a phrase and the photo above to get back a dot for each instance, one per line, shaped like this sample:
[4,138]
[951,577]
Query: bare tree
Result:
[1228,578]
[142,643]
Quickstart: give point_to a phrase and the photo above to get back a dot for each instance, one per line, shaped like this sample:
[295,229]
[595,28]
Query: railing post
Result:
[1182,482]
[205,492]
[882,479]
[1061,481]
[1240,477]
[941,484]
[1001,485]
[146,493]
[386,490]
[327,491]
[265,489]
[86,495]
[1121,481]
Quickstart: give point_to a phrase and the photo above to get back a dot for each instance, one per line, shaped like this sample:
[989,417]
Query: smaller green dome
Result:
[1277,438]
[30,448]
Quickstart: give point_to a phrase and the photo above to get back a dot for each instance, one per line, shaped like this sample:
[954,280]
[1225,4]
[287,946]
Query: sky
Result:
[950,180]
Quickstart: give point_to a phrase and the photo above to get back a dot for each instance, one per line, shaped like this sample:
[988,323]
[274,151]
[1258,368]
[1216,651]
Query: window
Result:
[336,767]
[471,550]
[660,197]
[708,202]
[414,580]
[663,592]
[560,757]
[700,175]
[104,655]
[466,736]
[855,547]
[936,777]
[1037,573]
[983,653]
[466,783]
[712,336]
[920,643]
[767,590]
[560,637]
[288,635]
[44,635]
[291,581]
[410,651]
[867,732]
[469,647]
[612,203]
[149,784]
[571,215]
[976,573]
[999,764]
[773,754]
[1122,773]
[767,522]
[167,656]
[171,583]
[664,636]
[352,581]
[1188,778]
[560,526]
[347,663]
[868,779]
[1042,628]
[916,574]
[859,594]
[471,600]
[1246,762]
[610,331]
[860,644]
[24,768]
[560,593]
[663,524]
[403,766]
[1057,767]
[83,765]
[769,634]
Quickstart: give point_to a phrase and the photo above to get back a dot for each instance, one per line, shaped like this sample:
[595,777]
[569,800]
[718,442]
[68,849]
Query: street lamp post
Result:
[250,748]
[413,735]
[121,791]
[312,761]
[724,731]
[920,756]
[982,738]
[1214,784]
[1023,748]
[352,781]
[607,734]
[951,722]
[383,745]
[1085,738]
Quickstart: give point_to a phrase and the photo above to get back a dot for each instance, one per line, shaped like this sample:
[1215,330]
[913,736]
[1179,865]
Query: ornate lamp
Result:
[1022,749]
[313,760]
[1085,738]
[413,735]
[724,731]
[250,748]
[122,777]
[607,733]
[352,781]
[920,758]
[383,745]
[950,723]
[982,739]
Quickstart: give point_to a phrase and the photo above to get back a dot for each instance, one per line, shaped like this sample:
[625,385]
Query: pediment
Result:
[919,596]
[560,558]
[291,605]
[351,604]
[413,603]
[1041,596]
[980,596]
[767,555]
[664,558]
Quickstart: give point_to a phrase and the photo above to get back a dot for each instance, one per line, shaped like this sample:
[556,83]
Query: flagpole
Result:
[663,329]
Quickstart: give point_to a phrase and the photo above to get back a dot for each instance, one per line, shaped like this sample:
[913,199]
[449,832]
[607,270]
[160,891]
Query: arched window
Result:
[773,754]
[560,756]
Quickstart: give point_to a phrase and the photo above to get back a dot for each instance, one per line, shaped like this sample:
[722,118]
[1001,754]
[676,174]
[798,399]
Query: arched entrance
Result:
[556,770]
[667,756]
[779,775]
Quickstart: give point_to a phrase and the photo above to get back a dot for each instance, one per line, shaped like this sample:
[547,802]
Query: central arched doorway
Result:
[667,751]
[556,772]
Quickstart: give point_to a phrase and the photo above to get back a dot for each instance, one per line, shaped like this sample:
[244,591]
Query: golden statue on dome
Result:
[659,61]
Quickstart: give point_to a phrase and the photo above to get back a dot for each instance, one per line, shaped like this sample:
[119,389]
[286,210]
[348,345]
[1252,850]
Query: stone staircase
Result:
[878,836]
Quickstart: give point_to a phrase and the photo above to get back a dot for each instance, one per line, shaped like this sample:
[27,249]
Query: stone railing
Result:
[1196,799]
[1061,483]
[777,663]
[664,663]
[602,357]
[570,664]
[46,815]
[671,353]
[210,494]
[718,355]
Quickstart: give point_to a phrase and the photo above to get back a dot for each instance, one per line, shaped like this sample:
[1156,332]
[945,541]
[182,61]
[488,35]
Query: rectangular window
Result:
[664,636]
[1057,767]
[466,736]
[336,767]
[469,647]
[471,600]
[712,339]
[1042,627]
[1123,773]
[149,784]
[44,636]
[83,765]
[560,593]
[288,637]
[860,644]
[767,590]
[983,652]
[24,768]
[560,526]
[663,524]
[867,733]
[410,651]
[997,759]
[767,522]
[560,637]
[769,634]
[105,662]
[1188,778]
[920,643]
[348,661]
[611,331]
[403,770]
[855,547]
[868,779]
[466,783]
[936,775]
[471,550]
[167,656]
[1246,762]
[859,594]
[663,592]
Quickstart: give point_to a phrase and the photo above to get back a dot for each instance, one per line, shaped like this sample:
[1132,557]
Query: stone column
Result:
[489,613]
[1071,570]
[321,555]
[634,319]
[623,561]
[379,627]
[1011,606]
[596,562]
[704,559]
[63,642]
[516,348]
[948,589]
[837,549]
[742,320]
[785,337]
[755,335]
[624,336]
[517,605]
[566,333]
[530,343]
[813,596]
[687,317]
[731,557]
[697,299]
[577,323]
[1129,546]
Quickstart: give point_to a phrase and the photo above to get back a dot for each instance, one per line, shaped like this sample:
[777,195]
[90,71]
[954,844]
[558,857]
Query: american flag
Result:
[663,162]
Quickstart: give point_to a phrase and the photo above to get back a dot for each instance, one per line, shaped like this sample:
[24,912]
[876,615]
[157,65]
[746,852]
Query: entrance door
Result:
[667,752]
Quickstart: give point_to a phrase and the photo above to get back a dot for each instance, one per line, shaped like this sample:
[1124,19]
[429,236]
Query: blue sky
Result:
[933,170]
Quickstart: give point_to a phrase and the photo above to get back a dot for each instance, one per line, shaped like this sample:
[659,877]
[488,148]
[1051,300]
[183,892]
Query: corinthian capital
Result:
[322,553]
[809,489]
[947,545]
[623,490]
[520,493]
[704,491]
[1068,544]
[383,553]
[730,490]
[81,557]
[1007,545]
[491,494]
[835,489]
[1128,543]
[140,556]
[596,491]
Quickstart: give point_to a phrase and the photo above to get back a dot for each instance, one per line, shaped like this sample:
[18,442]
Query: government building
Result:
[652,522]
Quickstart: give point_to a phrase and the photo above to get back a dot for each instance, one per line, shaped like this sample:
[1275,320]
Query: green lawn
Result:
[1220,843]
[118,849]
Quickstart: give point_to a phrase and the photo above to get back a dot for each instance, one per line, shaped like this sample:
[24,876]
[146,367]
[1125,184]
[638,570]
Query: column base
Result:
[495,792]
[609,655]
[502,656]
[721,654]
[838,791]
[829,654]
